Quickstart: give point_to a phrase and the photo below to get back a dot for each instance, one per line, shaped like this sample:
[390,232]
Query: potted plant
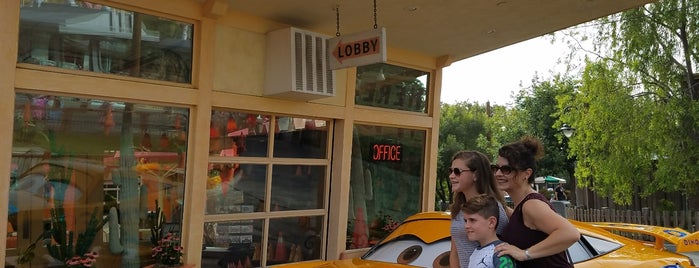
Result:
[168,252]
[87,260]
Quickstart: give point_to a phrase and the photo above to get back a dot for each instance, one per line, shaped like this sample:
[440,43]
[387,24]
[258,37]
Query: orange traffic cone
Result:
[280,253]
[359,235]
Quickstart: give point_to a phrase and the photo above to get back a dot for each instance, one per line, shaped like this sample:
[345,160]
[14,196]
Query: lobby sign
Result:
[357,49]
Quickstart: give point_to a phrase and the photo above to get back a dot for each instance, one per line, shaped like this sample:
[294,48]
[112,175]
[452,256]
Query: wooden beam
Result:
[444,61]
[215,8]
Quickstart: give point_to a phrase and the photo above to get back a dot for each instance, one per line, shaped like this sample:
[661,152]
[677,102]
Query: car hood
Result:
[633,253]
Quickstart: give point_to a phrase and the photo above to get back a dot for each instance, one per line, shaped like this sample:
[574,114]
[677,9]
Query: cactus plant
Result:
[156,220]
[123,231]
[63,249]
[59,242]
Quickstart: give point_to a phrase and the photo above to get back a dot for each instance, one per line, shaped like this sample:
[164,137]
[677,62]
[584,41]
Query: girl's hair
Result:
[485,181]
[523,154]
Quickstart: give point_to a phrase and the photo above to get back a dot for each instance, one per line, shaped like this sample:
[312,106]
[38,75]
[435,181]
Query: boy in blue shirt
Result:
[481,217]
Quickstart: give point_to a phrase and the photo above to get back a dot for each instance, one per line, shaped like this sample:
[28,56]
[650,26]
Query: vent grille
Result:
[306,76]
[320,57]
[298,61]
[308,68]
[329,75]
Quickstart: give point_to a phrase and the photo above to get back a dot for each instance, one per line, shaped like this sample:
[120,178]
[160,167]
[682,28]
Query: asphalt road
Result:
[694,256]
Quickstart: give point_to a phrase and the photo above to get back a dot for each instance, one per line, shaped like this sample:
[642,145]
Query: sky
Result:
[496,75]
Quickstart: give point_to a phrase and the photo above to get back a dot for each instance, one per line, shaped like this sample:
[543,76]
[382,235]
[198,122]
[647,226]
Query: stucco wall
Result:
[240,65]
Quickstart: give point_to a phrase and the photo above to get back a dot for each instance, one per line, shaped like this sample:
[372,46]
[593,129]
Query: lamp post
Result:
[567,130]
[581,197]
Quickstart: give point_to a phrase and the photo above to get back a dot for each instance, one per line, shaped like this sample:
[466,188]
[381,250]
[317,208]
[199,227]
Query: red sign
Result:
[386,152]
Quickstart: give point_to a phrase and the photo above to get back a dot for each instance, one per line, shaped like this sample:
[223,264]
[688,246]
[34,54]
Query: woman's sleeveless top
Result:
[518,234]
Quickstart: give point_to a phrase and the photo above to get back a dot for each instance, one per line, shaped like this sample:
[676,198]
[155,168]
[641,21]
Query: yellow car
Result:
[423,240]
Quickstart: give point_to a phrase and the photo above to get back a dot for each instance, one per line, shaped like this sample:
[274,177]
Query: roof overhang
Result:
[449,30]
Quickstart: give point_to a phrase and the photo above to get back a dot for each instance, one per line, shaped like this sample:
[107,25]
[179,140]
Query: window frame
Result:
[270,161]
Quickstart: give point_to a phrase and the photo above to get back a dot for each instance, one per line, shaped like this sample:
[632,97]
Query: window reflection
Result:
[294,239]
[245,180]
[385,178]
[232,244]
[235,188]
[393,87]
[296,187]
[238,134]
[76,160]
[300,137]
[81,35]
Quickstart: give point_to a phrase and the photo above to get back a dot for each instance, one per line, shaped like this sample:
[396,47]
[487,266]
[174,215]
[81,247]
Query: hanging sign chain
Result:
[337,20]
[375,24]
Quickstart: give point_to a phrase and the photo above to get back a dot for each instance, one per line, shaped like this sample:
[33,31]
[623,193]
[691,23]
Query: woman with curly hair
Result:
[536,236]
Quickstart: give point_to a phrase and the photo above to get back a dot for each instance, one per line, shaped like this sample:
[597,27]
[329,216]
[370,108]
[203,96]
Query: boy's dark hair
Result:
[483,204]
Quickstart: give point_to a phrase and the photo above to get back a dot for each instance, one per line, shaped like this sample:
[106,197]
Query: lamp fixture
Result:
[380,76]
[567,130]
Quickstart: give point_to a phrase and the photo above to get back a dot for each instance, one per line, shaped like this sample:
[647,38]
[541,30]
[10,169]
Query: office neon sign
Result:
[386,152]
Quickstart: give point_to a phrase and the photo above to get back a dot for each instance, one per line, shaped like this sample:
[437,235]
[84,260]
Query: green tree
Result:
[461,125]
[539,115]
[503,126]
[612,137]
[470,126]
[636,111]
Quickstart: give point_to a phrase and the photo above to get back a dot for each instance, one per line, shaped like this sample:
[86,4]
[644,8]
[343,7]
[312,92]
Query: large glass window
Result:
[385,178]
[273,171]
[393,87]
[298,187]
[233,243]
[80,35]
[93,175]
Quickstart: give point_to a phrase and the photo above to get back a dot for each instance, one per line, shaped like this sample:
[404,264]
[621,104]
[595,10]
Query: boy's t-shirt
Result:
[485,257]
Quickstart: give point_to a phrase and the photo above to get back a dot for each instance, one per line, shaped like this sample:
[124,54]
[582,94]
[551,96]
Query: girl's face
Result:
[505,175]
[464,180]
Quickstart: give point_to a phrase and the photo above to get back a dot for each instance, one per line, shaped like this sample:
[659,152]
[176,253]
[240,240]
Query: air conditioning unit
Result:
[297,65]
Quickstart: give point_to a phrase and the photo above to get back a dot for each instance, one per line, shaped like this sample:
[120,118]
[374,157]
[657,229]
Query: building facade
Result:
[134,119]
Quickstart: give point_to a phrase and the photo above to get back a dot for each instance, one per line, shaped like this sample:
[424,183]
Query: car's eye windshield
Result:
[600,245]
[412,251]
[589,247]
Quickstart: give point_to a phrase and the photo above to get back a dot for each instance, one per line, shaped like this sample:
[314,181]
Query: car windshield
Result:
[412,251]
[589,247]
[600,245]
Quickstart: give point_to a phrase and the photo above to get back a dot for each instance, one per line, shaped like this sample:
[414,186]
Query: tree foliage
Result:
[636,111]
[539,115]
[471,126]
[503,125]
[635,108]
[461,124]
